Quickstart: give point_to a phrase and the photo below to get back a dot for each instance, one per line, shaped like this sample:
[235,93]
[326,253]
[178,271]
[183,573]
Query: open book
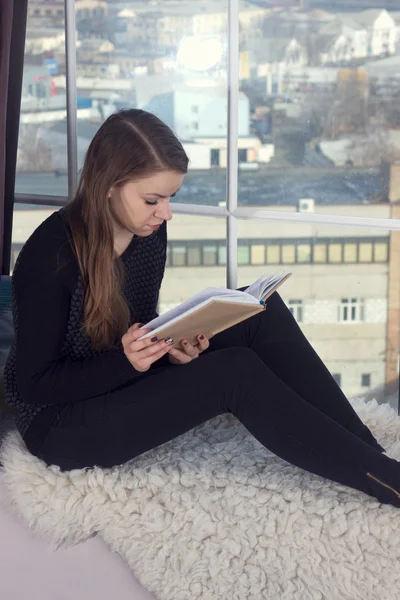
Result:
[213,310]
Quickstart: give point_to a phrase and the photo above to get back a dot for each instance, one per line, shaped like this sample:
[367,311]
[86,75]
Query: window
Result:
[335,253]
[194,256]
[195,125]
[296,308]
[178,256]
[243,255]
[366,380]
[242,155]
[365,252]
[288,254]
[351,310]
[381,252]
[303,253]
[257,254]
[209,254]
[350,253]
[222,255]
[329,259]
[273,254]
[320,253]
[338,378]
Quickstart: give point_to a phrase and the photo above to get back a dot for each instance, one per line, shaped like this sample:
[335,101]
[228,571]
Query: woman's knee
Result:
[236,361]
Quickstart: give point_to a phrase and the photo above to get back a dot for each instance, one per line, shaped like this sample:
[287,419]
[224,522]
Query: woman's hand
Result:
[188,351]
[142,354]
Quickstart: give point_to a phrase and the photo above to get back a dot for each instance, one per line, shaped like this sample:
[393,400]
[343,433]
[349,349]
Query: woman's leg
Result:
[278,340]
[123,424]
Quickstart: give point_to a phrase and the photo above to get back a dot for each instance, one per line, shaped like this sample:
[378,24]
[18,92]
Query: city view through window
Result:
[318,151]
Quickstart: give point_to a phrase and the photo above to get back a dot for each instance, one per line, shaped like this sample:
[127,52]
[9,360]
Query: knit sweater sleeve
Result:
[43,283]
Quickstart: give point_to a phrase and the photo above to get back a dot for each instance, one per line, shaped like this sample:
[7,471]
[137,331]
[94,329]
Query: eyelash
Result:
[156,201]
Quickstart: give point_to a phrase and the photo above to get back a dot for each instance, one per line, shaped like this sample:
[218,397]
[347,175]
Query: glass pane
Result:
[273,254]
[194,256]
[335,252]
[288,254]
[380,252]
[210,254]
[303,253]
[257,254]
[170,63]
[319,253]
[365,251]
[322,112]
[180,283]
[178,254]
[243,255]
[350,253]
[42,142]
[350,311]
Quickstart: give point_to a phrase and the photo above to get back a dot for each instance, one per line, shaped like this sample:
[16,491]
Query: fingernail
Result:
[169,341]
[201,337]
[154,339]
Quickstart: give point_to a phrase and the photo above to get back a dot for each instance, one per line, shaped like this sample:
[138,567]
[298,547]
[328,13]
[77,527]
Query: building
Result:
[198,112]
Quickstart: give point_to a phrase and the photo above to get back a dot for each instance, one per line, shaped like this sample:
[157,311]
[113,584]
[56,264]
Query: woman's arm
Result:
[43,284]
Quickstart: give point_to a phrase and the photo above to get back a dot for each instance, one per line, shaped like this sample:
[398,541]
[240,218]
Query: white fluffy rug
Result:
[212,515]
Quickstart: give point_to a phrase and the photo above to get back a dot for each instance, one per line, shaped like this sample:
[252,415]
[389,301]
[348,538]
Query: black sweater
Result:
[52,360]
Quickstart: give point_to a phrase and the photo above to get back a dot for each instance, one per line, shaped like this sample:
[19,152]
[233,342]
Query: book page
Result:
[263,286]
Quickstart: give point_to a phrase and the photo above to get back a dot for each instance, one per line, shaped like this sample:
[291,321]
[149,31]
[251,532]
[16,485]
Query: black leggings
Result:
[265,372]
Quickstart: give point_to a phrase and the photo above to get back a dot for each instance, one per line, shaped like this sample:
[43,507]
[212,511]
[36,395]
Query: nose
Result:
[164,211]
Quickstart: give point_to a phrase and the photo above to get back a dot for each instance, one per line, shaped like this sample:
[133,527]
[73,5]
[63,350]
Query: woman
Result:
[88,392]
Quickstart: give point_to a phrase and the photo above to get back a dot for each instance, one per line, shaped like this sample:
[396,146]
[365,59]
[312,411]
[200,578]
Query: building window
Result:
[335,253]
[195,125]
[350,253]
[222,255]
[178,254]
[319,253]
[210,255]
[288,254]
[296,308]
[244,255]
[304,253]
[351,310]
[381,252]
[195,109]
[194,256]
[257,254]
[242,155]
[273,254]
[366,380]
[337,377]
[365,252]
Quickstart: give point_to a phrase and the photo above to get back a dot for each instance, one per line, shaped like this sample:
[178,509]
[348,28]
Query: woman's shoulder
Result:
[49,247]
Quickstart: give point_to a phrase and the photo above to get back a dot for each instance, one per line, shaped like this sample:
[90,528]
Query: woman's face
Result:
[144,204]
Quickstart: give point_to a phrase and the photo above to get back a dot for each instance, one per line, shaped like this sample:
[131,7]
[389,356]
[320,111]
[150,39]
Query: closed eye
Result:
[153,203]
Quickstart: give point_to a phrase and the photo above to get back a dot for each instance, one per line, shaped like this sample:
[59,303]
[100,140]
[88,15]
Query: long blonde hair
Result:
[130,144]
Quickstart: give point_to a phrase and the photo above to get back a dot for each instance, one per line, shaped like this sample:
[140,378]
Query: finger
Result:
[150,348]
[189,349]
[150,359]
[132,340]
[180,355]
[134,327]
[203,342]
